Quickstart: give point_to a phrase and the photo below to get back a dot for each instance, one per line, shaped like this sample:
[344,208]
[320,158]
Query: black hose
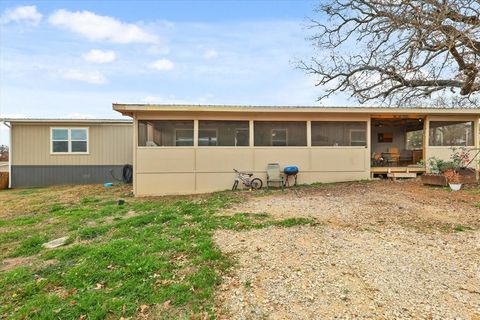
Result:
[127,174]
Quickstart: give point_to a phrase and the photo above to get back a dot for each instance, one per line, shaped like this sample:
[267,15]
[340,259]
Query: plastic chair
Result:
[274,175]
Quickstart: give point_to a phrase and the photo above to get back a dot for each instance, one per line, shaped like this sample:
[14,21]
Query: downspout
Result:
[10,155]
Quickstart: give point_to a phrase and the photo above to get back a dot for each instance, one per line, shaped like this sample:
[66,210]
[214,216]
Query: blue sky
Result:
[74,58]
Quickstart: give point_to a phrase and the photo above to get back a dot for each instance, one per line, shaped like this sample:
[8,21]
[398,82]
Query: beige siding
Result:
[204,169]
[109,144]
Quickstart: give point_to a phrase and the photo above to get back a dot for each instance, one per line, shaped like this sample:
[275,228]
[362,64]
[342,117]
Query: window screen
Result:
[414,140]
[165,133]
[339,133]
[223,133]
[280,133]
[451,133]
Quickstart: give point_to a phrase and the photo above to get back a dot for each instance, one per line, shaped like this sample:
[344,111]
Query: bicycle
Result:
[245,178]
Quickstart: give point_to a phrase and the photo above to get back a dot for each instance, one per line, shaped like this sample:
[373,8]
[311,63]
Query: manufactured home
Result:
[46,152]
[181,149]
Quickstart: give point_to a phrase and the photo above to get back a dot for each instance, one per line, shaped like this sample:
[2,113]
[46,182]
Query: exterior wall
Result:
[445,152]
[109,144]
[399,139]
[43,176]
[33,165]
[184,170]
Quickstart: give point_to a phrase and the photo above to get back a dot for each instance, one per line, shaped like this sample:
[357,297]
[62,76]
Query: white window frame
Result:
[212,130]
[248,137]
[69,140]
[286,137]
[193,138]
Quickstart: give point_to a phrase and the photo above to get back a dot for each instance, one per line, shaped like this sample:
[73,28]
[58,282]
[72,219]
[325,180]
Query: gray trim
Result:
[43,176]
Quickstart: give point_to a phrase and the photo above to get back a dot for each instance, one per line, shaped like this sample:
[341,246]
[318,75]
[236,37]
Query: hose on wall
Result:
[127,174]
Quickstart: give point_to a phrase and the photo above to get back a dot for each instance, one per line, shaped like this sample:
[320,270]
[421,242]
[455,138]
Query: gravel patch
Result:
[316,272]
[374,255]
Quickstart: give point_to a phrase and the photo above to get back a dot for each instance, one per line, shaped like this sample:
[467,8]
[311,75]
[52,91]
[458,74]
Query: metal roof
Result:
[60,120]
[132,108]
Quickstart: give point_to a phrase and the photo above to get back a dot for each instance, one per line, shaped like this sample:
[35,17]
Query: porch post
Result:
[195,133]
[309,133]
[135,150]
[426,142]
[251,136]
[369,146]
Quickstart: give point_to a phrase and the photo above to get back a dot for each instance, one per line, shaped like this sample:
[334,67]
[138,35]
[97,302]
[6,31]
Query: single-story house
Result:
[46,152]
[181,149]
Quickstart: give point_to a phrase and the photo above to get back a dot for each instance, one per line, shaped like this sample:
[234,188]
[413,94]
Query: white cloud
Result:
[26,14]
[162,65]
[100,56]
[210,54]
[100,28]
[92,77]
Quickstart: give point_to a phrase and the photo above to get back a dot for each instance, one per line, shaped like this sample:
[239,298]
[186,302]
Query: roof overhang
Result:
[131,109]
[69,121]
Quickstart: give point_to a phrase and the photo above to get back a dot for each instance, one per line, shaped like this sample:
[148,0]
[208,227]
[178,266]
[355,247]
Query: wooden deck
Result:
[385,170]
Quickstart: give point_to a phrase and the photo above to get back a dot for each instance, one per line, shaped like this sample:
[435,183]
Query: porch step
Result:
[402,175]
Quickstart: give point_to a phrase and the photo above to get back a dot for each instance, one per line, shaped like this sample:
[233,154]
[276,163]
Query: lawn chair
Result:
[274,175]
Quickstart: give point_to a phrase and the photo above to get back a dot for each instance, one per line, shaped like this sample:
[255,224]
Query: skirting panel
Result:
[43,176]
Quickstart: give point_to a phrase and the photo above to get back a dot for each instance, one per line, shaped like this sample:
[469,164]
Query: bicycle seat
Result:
[250,174]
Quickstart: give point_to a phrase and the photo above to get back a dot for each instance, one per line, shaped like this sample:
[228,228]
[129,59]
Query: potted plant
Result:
[453,179]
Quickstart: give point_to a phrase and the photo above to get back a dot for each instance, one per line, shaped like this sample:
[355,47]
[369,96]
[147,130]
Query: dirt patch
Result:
[12,263]
[365,205]
[382,251]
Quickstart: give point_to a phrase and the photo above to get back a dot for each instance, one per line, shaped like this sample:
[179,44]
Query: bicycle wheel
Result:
[256,184]
[235,185]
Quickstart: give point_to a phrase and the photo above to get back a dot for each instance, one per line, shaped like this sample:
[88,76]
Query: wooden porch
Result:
[397,172]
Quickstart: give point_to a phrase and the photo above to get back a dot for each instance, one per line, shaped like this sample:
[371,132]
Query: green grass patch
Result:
[114,262]
[460,228]
[30,246]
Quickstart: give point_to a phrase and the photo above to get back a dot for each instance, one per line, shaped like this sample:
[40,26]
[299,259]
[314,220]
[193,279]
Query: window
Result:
[207,137]
[279,137]
[339,133]
[223,133]
[242,137]
[165,133]
[451,133]
[183,137]
[280,133]
[414,140]
[69,140]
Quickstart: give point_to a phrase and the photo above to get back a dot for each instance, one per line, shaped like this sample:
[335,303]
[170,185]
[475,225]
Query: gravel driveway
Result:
[380,250]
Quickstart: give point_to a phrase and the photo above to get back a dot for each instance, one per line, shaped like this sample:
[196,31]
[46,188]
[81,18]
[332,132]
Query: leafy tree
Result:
[398,52]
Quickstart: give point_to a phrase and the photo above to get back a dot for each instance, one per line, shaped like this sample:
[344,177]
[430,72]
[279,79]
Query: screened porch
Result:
[396,142]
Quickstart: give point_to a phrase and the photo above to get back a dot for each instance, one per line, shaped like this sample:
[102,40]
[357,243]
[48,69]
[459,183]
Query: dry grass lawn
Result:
[373,250]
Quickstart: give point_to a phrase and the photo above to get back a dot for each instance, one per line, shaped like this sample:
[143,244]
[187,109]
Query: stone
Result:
[55,243]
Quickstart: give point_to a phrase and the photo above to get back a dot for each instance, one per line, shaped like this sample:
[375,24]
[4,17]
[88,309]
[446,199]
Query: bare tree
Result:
[399,52]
